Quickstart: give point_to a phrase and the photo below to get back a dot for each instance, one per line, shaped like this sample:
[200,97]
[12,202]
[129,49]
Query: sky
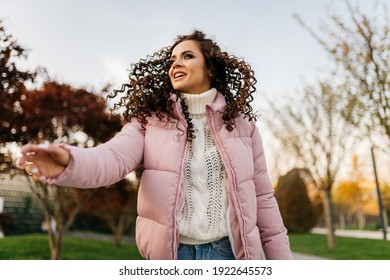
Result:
[91,43]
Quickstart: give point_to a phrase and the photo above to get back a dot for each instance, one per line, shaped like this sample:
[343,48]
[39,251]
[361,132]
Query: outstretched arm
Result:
[44,161]
[71,166]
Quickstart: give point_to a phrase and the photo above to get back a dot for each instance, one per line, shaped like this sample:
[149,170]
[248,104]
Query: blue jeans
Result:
[216,250]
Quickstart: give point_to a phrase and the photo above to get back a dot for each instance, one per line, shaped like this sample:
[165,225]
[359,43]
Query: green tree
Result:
[298,212]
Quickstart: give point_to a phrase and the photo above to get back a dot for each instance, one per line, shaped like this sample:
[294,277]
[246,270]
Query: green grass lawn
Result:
[36,247]
[346,248]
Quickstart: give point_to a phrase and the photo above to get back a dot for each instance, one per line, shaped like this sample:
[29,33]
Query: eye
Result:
[189,56]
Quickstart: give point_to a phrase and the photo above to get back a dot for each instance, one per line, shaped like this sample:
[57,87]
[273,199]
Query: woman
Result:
[204,192]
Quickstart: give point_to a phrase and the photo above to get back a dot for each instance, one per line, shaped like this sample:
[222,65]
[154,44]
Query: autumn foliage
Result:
[58,111]
[12,84]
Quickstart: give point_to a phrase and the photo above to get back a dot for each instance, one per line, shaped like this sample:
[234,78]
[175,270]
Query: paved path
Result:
[342,232]
[99,236]
[302,256]
[355,233]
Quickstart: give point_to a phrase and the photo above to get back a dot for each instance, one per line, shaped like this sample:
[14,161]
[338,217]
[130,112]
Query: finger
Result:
[37,176]
[43,146]
[29,148]
[32,169]
[29,153]
[30,157]
[24,160]
[20,162]
[32,148]
[40,178]
[28,171]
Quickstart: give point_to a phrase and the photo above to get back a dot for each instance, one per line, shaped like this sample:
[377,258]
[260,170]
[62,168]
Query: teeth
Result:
[177,75]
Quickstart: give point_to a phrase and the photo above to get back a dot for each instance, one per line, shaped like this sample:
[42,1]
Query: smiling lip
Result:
[178,75]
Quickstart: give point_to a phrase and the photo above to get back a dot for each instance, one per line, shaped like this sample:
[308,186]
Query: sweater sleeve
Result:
[269,221]
[104,164]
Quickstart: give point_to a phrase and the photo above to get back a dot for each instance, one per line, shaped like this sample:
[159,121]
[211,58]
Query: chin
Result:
[180,89]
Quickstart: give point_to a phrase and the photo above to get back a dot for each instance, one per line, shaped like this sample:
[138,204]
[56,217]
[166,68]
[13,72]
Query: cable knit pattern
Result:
[203,217]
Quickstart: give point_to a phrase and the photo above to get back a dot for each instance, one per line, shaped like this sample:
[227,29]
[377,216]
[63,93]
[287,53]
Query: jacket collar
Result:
[218,104]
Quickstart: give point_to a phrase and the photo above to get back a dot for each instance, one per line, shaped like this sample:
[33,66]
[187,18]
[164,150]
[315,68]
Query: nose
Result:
[176,63]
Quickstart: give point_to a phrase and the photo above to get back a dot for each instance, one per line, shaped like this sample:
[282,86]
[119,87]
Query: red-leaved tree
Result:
[59,113]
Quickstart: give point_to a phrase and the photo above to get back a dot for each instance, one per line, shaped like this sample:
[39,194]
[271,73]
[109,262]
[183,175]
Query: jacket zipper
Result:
[180,187]
[229,168]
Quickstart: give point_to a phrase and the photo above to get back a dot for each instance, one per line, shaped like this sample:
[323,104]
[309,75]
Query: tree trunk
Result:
[361,218]
[342,220]
[51,234]
[59,239]
[385,219]
[329,221]
[56,236]
[118,238]
[118,230]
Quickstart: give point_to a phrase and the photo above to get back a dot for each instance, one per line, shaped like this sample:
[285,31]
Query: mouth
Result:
[178,75]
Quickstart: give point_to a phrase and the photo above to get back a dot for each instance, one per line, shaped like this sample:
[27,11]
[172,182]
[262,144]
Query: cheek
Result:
[170,73]
[170,78]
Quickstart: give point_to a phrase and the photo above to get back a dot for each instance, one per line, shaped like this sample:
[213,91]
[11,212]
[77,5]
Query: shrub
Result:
[298,212]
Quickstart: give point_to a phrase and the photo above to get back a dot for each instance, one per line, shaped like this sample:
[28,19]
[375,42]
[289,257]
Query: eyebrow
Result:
[184,52]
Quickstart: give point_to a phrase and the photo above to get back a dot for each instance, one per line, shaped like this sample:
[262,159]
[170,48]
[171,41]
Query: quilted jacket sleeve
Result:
[106,163]
[269,221]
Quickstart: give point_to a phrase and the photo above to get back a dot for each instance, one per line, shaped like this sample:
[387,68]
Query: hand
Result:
[44,161]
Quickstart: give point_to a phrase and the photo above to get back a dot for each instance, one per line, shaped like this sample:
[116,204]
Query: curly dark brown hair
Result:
[149,90]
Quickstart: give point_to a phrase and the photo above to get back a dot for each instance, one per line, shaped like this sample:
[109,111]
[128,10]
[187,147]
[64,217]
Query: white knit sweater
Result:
[203,217]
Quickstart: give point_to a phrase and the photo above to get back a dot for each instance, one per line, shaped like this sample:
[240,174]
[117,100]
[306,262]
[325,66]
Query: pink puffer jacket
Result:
[256,230]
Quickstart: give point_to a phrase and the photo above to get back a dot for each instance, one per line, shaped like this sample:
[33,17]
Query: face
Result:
[188,72]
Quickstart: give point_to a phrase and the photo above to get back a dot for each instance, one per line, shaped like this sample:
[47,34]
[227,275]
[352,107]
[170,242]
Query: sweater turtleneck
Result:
[197,102]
